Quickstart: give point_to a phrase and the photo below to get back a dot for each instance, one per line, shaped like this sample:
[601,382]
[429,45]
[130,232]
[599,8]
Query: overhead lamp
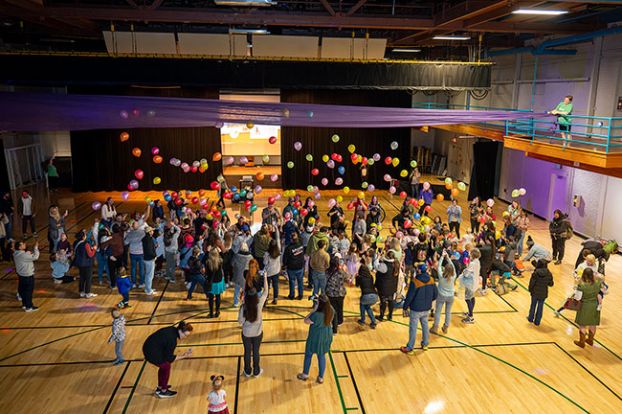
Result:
[451,37]
[405,50]
[540,12]
[245,3]
[248,31]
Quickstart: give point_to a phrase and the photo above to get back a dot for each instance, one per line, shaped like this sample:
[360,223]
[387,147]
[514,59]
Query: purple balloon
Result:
[228,161]
[339,181]
[330,164]
[371,188]
[124,114]
[297,145]
[258,189]
[317,195]
[96,205]
[376,157]
[134,184]
[243,160]
[125,195]
[274,177]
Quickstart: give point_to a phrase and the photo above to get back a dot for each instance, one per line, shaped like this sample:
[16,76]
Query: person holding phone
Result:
[25,269]
[563,110]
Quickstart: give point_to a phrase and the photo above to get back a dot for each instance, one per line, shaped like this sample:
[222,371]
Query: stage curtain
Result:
[483,175]
[368,141]
[101,162]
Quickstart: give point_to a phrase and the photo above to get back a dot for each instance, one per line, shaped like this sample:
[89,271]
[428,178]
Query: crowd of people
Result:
[422,267]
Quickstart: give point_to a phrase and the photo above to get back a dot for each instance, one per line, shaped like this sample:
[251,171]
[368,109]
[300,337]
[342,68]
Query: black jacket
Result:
[365,281]
[539,283]
[149,250]
[294,256]
[386,283]
[558,227]
[160,345]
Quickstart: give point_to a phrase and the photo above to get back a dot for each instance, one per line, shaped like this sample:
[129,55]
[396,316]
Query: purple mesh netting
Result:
[56,112]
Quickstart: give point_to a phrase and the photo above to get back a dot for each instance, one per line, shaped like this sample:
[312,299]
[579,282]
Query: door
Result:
[558,194]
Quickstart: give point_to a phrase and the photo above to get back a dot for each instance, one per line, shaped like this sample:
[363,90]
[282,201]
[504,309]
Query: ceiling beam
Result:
[357,6]
[328,7]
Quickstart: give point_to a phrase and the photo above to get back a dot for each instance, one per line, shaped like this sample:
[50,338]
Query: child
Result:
[352,262]
[60,267]
[118,334]
[124,285]
[469,279]
[217,396]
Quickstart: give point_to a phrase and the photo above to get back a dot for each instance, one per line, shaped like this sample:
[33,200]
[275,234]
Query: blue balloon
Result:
[417,216]
[341,170]
[168,198]
[295,212]
[236,197]
[233,189]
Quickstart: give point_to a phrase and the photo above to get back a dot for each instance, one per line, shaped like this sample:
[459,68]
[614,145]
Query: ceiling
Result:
[77,25]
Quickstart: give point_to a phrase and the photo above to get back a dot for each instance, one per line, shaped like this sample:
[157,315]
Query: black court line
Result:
[503,299]
[129,398]
[158,304]
[356,388]
[116,388]
[588,371]
[237,385]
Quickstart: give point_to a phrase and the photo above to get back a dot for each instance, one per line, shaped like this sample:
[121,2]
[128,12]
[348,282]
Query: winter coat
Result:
[239,265]
[558,227]
[539,283]
[421,293]
[386,283]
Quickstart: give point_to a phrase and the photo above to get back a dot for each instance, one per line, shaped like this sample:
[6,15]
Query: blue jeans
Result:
[137,261]
[118,350]
[519,245]
[296,277]
[171,265]
[319,283]
[415,319]
[448,301]
[236,294]
[537,306]
[367,309]
[274,282]
[149,271]
[321,360]
[102,265]
[194,280]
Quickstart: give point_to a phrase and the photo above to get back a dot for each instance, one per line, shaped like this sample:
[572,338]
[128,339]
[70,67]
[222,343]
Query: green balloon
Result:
[413,164]
[266,159]
[335,138]
[310,188]
[364,184]
[309,157]
[290,164]
[370,161]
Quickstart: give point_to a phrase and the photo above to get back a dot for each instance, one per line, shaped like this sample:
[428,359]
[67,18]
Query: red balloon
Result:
[174,194]
[228,195]
[248,203]
[297,204]
[271,200]
[354,157]
[364,161]
[350,206]
[339,158]
[139,174]
[428,208]
[413,202]
[408,224]
[403,194]
[214,185]
[217,214]
[194,169]
[334,156]
[195,200]
[179,202]
[388,160]
[315,171]
[130,188]
[272,140]
[303,212]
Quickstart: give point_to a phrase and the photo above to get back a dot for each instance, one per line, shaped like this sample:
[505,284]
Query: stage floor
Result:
[57,360]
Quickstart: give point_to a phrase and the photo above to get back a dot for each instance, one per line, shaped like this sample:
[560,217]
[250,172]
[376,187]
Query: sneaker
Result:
[118,362]
[33,309]
[141,286]
[529,320]
[299,297]
[360,322]
[557,262]
[24,308]
[557,314]
[134,286]
[18,297]
[408,351]
[58,281]
[290,298]
[424,347]
[445,329]
[236,305]
[91,295]
[434,330]
[247,374]
[320,380]
[599,307]
[153,292]
[274,302]
[372,325]
[35,235]
[165,394]
[468,320]
[302,377]
[259,373]
[82,294]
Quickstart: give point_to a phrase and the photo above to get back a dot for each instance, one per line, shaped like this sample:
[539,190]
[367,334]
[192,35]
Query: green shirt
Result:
[52,172]
[562,107]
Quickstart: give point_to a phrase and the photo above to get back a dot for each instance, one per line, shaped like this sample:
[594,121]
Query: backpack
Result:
[569,231]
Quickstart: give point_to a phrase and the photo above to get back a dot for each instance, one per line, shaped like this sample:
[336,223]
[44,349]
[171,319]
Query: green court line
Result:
[129,398]
[332,364]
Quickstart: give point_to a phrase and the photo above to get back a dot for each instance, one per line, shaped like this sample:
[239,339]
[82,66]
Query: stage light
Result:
[540,12]
[451,37]
[403,50]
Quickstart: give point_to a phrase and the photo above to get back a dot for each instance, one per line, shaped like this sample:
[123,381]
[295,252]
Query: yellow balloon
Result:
[421,202]
[360,158]
[339,199]
[448,181]
[361,195]
[157,180]
[250,125]
[498,234]
[312,220]
[346,190]
[395,161]
[351,148]
[325,158]
[403,173]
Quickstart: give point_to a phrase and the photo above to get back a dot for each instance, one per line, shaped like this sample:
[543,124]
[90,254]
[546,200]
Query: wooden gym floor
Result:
[57,360]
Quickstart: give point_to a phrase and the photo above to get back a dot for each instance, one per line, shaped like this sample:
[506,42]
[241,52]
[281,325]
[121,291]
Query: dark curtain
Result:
[101,162]
[4,174]
[368,141]
[483,175]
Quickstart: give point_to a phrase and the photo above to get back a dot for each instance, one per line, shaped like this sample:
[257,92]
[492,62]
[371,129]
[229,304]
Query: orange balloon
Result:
[217,156]
[440,197]
[124,136]
[136,152]
[449,186]
[259,176]
[157,159]
[455,192]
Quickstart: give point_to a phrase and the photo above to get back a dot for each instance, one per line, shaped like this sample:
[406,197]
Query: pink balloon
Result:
[324,181]
[277,197]
[392,190]
[371,188]
[155,151]
[317,196]
[331,203]
[297,145]
[339,181]
[387,177]
[274,177]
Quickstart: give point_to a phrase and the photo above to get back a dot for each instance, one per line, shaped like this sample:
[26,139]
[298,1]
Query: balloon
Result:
[370,161]
[243,193]
[324,181]
[303,212]
[408,223]
[376,157]
[338,181]
[506,213]
[341,170]
[157,180]
[420,202]
[124,136]
[339,158]
[440,197]
[449,186]
[250,125]
[271,200]
[427,209]
[265,159]
[272,140]
[388,160]
[228,195]
[395,162]
[448,181]
[136,152]
[218,125]
[135,112]
[214,185]
[392,190]
[290,164]
[461,186]
[155,151]
[125,195]
[351,148]
[124,114]
[309,157]
[317,195]
[413,164]
[330,164]
[134,184]
[139,174]
[315,171]
[259,176]
[387,177]
[403,194]
[248,203]
[350,206]
[258,189]
[325,158]
[346,189]
[339,199]
[371,187]
[195,200]
[403,173]
[490,202]
[360,195]
[522,191]
[331,203]
[497,234]
[335,138]
[364,185]
[297,145]
[417,216]
[194,168]
[274,178]
[157,159]
[426,185]
[394,145]
[455,192]
[243,160]
[364,160]
[354,158]
[217,156]
[96,205]
[310,114]
[229,161]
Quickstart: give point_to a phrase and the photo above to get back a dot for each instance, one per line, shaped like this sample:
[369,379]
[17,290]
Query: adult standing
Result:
[7,208]
[26,209]
[52,173]
[240,264]
[84,253]
[522,222]
[320,337]
[588,317]
[149,257]
[294,263]
[336,290]
[261,242]
[387,275]
[541,280]
[109,212]
[25,269]
[563,110]
[215,277]
[134,239]
[559,228]
[414,178]
[56,226]
[251,320]
[454,217]
[446,281]
[476,211]
[421,293]
[171,249]
[159,350]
